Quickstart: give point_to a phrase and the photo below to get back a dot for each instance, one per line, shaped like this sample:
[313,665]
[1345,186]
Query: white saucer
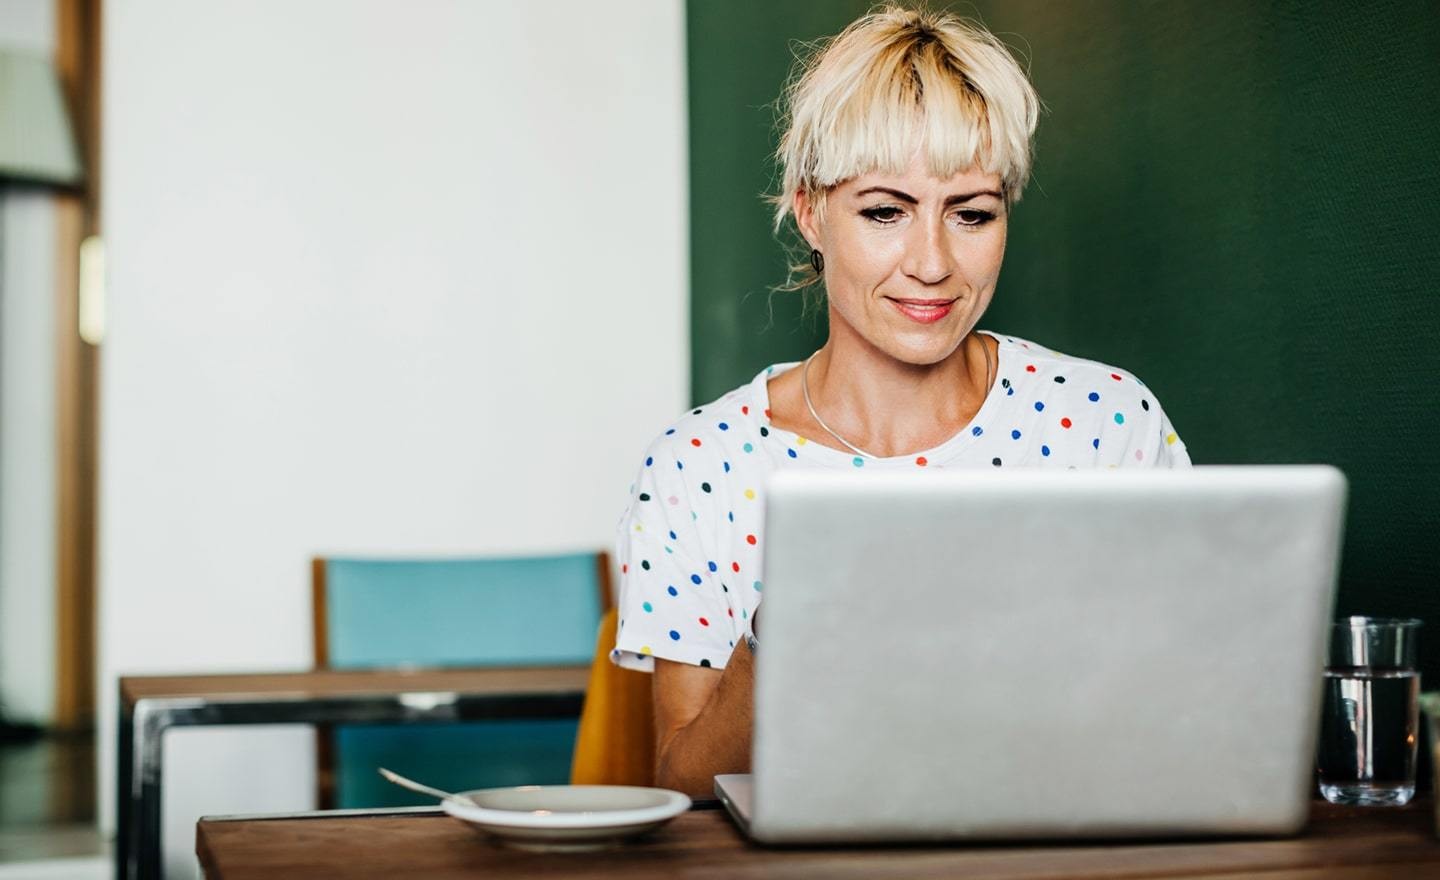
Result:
[566,817]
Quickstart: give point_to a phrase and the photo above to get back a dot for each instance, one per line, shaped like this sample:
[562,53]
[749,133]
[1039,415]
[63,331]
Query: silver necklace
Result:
[805,389]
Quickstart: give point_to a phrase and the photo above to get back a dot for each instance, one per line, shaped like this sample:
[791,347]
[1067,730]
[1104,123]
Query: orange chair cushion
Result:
[616,741]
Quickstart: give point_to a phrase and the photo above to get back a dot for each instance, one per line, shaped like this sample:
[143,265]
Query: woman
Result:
[908,141]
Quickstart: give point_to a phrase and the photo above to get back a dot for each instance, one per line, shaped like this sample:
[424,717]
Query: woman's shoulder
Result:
[1025,362]
[732,423]
[1026,353]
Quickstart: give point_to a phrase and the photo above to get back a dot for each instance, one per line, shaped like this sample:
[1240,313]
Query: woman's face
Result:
[911,261]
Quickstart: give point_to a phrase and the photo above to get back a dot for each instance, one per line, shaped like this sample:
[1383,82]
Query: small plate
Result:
[566,817]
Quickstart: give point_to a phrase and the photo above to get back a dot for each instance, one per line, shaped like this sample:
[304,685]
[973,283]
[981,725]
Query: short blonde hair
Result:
[897,81]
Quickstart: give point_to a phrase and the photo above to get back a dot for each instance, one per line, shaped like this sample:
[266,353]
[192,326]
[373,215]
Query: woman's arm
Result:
[703,722]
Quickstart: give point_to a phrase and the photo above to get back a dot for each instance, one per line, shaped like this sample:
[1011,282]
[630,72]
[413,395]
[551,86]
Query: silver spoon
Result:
[397,779]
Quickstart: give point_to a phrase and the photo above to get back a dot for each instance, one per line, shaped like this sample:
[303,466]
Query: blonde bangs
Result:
[897,82]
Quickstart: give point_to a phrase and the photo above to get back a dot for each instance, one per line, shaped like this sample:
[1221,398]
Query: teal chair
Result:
[386,613]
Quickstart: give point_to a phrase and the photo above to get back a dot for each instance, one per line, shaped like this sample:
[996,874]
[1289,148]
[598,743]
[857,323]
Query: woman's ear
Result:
[806,219]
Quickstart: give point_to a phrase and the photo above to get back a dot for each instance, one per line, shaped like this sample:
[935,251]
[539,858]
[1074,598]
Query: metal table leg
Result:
[124,823]
[150,723]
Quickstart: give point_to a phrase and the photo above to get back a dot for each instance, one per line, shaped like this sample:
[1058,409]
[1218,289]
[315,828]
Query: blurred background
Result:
[422,279]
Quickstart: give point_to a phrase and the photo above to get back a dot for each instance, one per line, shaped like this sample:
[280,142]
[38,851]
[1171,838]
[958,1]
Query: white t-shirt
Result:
[690,540]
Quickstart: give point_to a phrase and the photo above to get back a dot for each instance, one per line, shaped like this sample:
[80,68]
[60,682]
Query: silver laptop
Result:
[1028,654]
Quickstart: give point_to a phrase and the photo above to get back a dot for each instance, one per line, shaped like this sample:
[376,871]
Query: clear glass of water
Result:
[1370,720]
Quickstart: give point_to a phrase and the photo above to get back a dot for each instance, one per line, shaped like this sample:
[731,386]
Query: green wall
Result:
[1240,201]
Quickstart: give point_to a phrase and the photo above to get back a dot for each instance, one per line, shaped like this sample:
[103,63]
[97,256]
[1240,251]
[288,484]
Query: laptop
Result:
[1032,654]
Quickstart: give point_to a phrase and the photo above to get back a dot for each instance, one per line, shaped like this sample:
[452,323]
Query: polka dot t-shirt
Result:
[689,543]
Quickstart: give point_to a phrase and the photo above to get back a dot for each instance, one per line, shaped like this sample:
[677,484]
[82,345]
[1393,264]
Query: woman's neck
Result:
[879,404]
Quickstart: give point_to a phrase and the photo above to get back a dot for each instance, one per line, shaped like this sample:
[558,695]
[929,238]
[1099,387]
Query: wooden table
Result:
[1343,843]
[151,705]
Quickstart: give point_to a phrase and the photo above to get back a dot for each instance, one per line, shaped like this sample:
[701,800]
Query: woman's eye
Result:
[974,217]
[882,213]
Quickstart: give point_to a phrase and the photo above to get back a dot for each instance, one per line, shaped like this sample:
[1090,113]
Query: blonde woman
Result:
[907,142]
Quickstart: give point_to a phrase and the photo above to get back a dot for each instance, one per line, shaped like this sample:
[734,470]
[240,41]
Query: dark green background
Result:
[1239,201]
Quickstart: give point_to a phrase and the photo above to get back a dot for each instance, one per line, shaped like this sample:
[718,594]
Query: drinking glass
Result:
[1370,719]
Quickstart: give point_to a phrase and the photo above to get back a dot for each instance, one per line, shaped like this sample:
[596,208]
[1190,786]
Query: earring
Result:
[817,260]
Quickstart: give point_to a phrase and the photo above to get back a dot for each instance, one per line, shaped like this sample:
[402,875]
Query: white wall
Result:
[27,417]
[386,278]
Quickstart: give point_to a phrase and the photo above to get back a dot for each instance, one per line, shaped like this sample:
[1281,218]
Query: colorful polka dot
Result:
[705,663]
[791,453]
[1039,406]
[1170,438]
[1029,368]
[649,461]
[1115,376]
[735,567]
[922,461]
[750,539]
[1015,434]
[694,441]
[645,649]
[1145,405]
[705,487]
[648,607]
[644,496]
[748,447]
[858,461]
[749,494]
[1094,396]
[704,622]
[801,441]
[976,431]
[696,579]
[764,431]
[1059,380]
[723,426]
[645,564]
[1045,451]
[759,587]
[674,635]
[1066,423]
[672,591]
[1095,443]
[1139,455]
[713,566]
[1119,418]
[995,461]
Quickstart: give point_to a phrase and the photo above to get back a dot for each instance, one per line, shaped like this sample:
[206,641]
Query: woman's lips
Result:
[923,311]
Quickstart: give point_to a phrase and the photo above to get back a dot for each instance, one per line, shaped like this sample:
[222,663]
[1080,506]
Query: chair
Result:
[386,613]
[616,740]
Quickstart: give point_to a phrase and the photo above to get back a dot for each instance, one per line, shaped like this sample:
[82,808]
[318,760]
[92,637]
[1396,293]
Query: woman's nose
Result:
[927,257]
